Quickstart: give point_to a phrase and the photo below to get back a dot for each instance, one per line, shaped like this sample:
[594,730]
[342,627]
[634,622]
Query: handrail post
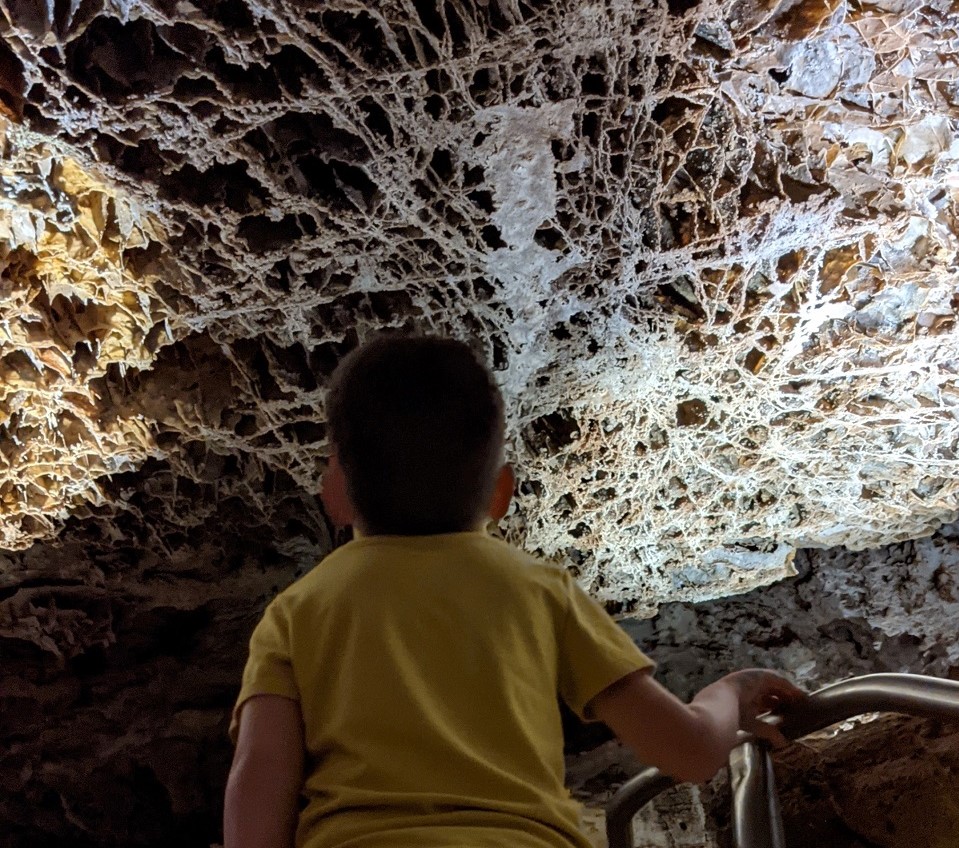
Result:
[632,796]
[757,821]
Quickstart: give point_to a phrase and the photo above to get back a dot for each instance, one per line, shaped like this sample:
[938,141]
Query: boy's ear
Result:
[502,494]
[334,496]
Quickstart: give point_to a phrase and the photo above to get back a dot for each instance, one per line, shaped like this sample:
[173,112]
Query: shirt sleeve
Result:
[595,651]
[269,669]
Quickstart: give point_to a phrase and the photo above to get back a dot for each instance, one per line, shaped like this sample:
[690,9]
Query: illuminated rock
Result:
[79,308]
[710,250]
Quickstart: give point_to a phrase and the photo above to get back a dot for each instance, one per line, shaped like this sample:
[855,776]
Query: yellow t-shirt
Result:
[427,670]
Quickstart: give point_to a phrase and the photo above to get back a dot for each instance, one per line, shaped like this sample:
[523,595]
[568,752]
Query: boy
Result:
[407,688]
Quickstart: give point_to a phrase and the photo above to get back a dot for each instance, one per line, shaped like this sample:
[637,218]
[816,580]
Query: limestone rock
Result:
[708,249]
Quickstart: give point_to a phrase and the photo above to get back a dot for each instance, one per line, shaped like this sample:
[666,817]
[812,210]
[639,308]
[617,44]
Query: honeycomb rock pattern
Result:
[78,304]
[709,249]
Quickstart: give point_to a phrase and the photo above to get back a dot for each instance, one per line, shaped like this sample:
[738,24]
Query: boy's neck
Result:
[360,533]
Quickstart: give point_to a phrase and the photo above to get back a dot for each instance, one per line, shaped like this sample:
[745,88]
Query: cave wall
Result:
[119,670]
[135,711]
[886,783]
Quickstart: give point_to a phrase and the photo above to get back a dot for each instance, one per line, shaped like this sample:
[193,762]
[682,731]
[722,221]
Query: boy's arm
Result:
[266,778]
[691,742]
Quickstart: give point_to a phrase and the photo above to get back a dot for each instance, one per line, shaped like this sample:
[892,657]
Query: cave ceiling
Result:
[709,249]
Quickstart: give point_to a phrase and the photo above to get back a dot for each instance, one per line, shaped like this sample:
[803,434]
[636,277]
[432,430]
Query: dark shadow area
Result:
[123,639]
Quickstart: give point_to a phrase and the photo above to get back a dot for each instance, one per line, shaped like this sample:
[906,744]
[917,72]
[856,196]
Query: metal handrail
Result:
[756,816]
[756,819]
[629,799]
[911,694]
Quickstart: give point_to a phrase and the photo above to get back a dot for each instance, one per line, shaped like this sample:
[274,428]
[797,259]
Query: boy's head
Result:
[417,429]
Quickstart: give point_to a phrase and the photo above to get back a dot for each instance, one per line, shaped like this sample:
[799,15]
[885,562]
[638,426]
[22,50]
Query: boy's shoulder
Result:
[341,564]
[516,560]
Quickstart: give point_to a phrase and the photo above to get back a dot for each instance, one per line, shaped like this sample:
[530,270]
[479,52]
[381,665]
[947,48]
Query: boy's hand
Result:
[762,692]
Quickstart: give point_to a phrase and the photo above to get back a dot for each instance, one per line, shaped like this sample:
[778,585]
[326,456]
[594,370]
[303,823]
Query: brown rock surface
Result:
[891,783]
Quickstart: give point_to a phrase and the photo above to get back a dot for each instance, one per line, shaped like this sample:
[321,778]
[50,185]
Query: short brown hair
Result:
[417,423]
